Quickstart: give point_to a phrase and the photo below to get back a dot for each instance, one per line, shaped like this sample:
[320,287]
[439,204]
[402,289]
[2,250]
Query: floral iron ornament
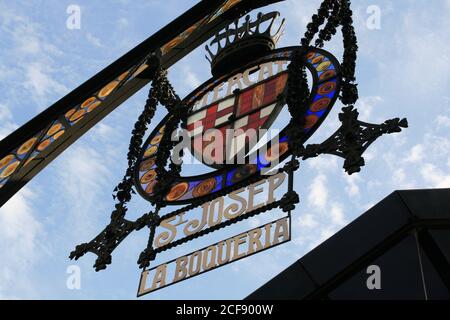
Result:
[154,174]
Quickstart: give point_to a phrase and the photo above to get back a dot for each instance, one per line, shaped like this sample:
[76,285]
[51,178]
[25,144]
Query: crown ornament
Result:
[239,44]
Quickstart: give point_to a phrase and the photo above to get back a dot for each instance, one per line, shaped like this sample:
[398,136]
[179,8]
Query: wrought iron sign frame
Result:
[46,136]
[349,142]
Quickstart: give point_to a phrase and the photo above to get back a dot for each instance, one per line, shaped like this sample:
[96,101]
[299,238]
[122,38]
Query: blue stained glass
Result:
[229,176]
[319,113]
[219,184]
[262,162]
[317,97]
[332,67]
[330,95]
[192,186]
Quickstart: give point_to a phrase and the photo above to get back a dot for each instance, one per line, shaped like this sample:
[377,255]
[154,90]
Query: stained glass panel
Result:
[255,105]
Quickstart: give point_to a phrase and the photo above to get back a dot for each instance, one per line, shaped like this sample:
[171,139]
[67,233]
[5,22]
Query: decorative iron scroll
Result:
[352,139]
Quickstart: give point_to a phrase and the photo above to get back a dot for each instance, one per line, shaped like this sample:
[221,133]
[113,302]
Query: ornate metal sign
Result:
[220,124]
[223,124]
[214,256]
[220,211]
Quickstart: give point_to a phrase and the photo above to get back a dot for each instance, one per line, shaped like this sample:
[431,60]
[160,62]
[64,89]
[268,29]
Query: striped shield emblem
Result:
[243,113]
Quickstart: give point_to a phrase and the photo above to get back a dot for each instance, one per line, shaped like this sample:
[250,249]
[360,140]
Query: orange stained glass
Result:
[26,146]
[108,89]
[70,113]
[94,106]
[54,129]
[58,135]
[88,102]
[311,121]
[6,160]
[43,145]
[77,115]
[9,170]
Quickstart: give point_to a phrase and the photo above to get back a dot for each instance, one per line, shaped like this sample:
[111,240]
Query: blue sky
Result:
[402,72]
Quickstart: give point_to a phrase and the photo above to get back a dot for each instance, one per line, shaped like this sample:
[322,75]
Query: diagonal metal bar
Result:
[173,31]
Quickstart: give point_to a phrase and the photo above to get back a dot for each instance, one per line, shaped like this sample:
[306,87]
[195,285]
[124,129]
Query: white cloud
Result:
[306,221]
[366,105]
[83,177]
[19,248]
[22,30]
[324,163]
[318,195]
[443,122]
[40,83]
[368,206]
[93,40]
[123,22]
[424,165]
[371,154]
[17,220]
[186,77]
[6,120]
[352,187]
[416,154]
[105,132]
[399,175]
[5,113]
[297,19]
[327,216]
[337,214]
[374,184]
[33,57]
[420,36]
[435,177]
[437,146]
[401,180]
[192,79]
[325,234]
